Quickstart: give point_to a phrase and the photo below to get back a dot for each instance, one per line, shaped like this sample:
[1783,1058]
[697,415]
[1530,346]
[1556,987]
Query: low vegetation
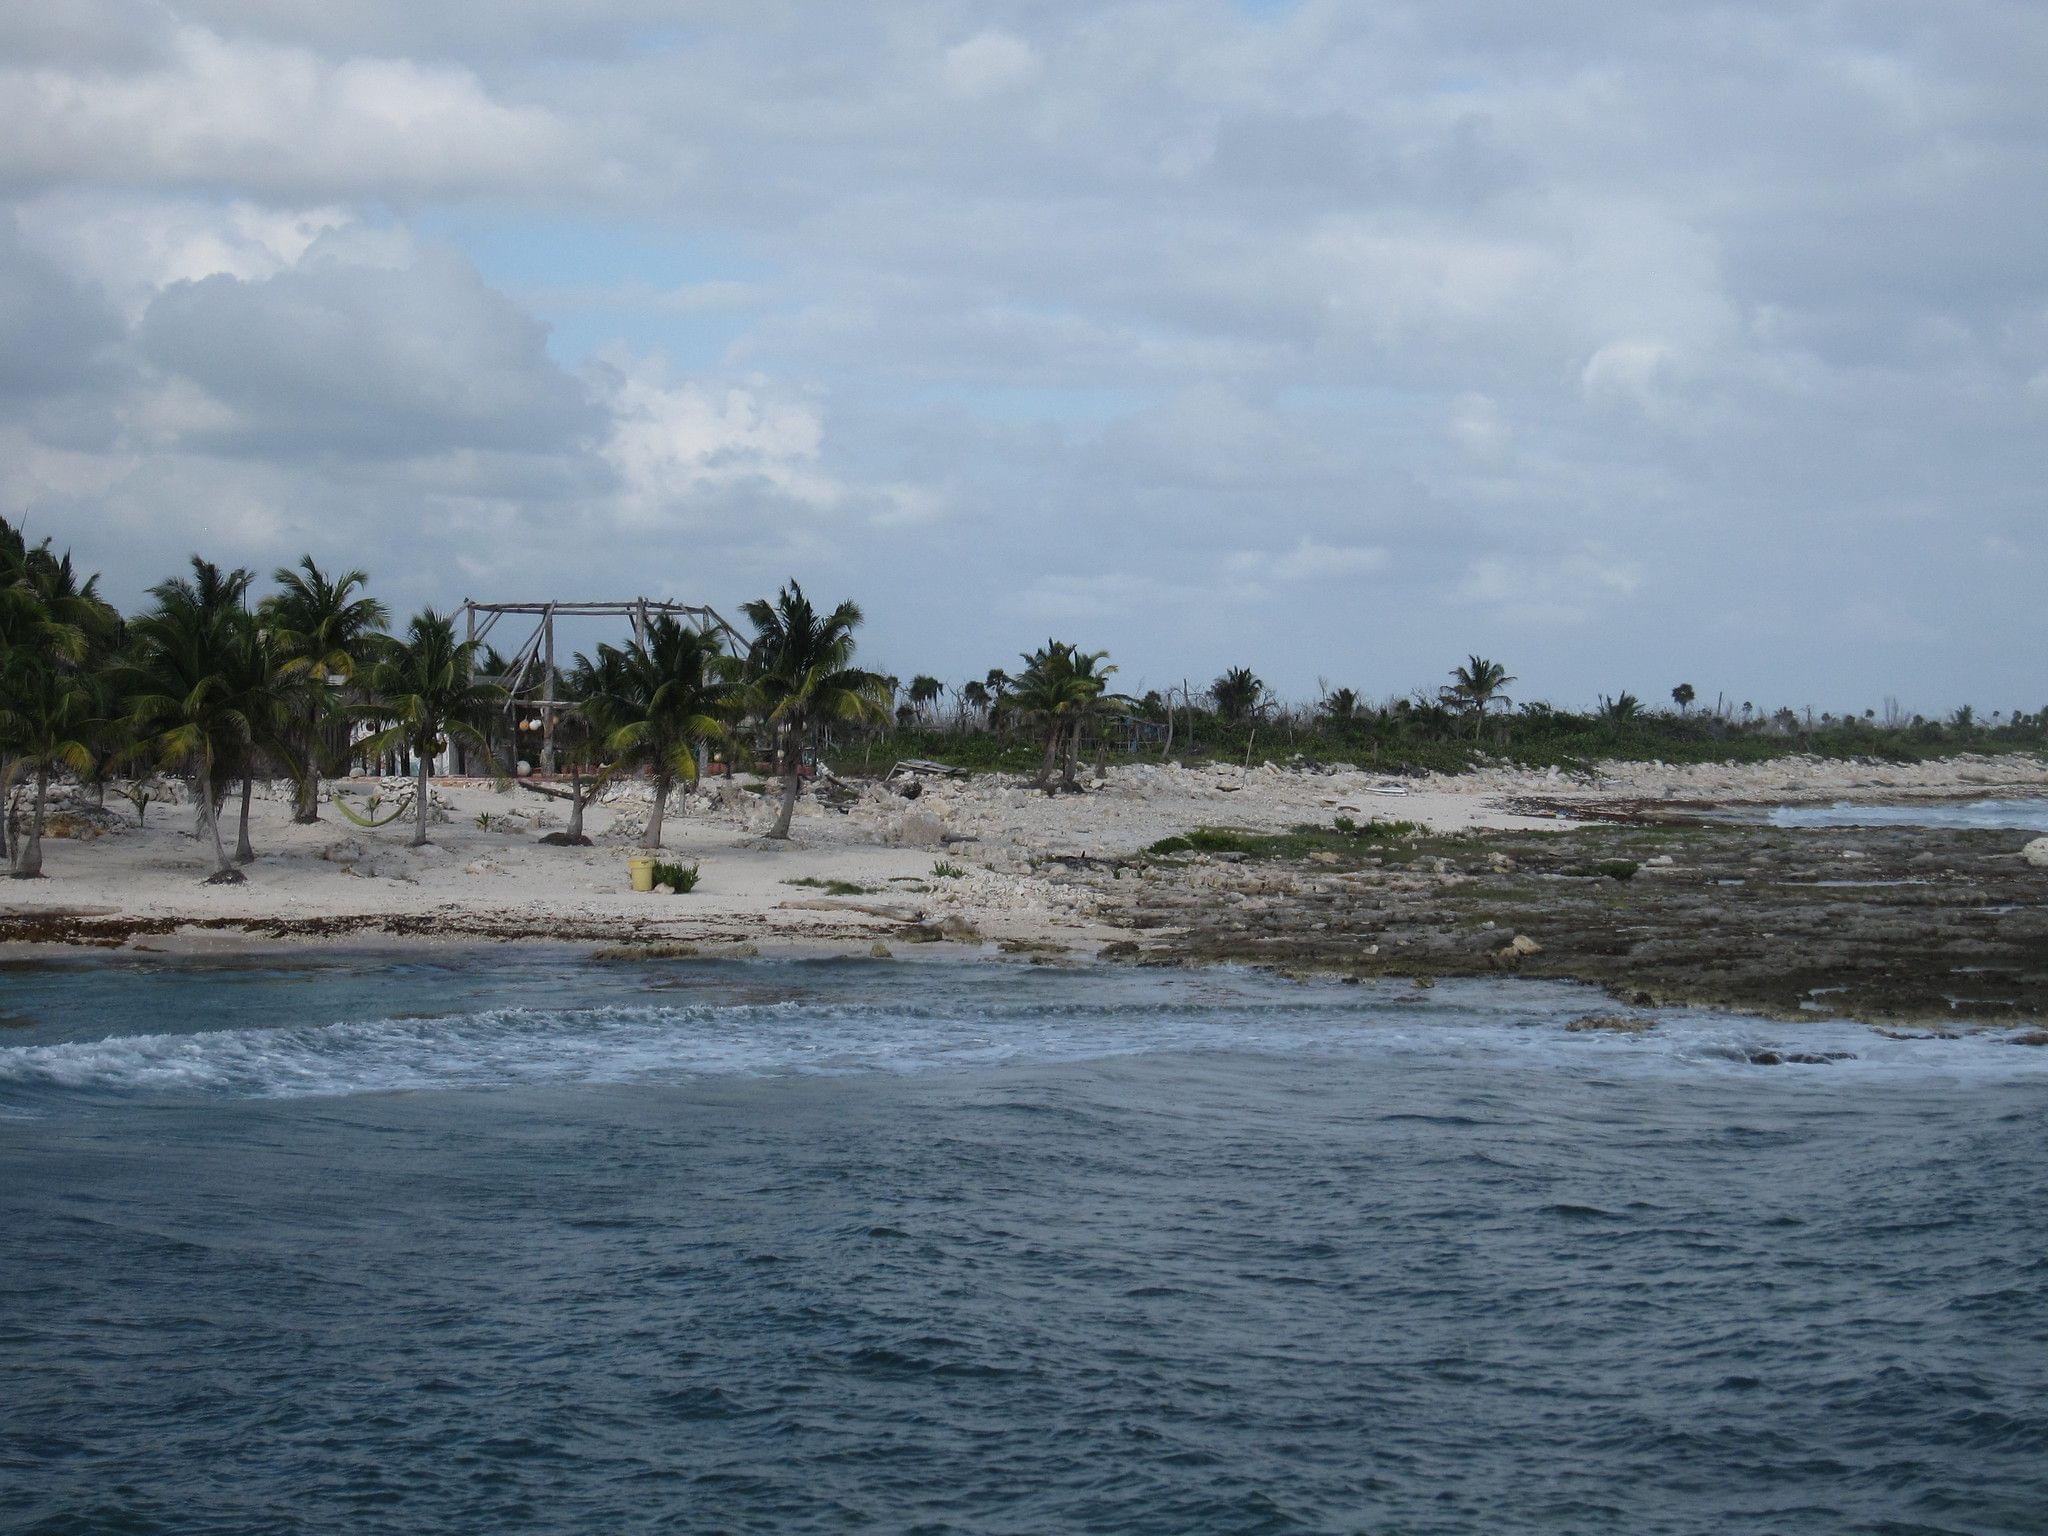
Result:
[833,887]
[679,878]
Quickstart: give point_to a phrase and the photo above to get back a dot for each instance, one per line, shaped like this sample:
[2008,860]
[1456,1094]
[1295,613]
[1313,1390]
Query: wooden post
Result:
[469,639]
[547,703]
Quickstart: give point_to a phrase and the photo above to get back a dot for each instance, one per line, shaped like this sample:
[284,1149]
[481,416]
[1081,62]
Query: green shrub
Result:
[947,871]
[680,878]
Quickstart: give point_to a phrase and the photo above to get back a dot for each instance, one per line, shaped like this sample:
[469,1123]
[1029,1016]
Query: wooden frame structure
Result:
[532,666]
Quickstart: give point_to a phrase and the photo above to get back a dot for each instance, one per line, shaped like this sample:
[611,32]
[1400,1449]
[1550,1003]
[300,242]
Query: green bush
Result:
[947,871]
[680,878]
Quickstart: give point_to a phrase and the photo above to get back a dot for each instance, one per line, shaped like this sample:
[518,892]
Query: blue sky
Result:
[1632,345]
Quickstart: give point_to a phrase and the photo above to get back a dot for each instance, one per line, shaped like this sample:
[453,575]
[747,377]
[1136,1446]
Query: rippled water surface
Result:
[2021,815]
[500,1245]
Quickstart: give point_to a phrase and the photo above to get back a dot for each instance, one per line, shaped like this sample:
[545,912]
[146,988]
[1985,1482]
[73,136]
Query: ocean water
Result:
[2020,815]
[526,1244]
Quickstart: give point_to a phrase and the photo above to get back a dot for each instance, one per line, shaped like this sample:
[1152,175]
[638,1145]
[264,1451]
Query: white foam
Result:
[1460,1024]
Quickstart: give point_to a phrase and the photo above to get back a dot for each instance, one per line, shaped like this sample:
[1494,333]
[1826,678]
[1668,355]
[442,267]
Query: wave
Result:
[508,1046]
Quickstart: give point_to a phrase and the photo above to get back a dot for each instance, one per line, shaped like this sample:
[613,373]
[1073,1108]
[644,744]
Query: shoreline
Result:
[986,868]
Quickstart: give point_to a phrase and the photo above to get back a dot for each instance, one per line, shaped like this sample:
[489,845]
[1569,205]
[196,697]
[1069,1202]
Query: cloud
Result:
[208,110]
[340,355]
[988,64]
[1618,334]
[680,449]
[54,333]
[1308,560]
[1544,589]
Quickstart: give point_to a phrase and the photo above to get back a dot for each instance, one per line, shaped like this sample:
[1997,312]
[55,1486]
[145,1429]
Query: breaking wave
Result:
[963,1031]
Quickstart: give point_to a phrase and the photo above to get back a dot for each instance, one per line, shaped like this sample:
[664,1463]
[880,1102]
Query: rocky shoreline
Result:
[1896,925]
[1640,881]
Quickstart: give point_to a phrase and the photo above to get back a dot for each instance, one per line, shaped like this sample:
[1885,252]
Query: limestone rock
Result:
[2036,853]
[916,829]
[1611,1023]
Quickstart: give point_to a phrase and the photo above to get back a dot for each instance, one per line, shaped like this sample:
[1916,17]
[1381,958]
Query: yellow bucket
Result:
[642,871]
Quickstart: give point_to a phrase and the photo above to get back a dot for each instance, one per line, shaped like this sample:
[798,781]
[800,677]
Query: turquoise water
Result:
[2020,815]
[527,1244]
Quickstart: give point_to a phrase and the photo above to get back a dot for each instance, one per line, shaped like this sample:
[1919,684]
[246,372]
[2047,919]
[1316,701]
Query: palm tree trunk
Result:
[792,786]
[6,801]
[224,873]
[1069,757]
[244,854]
[576,803]
[307,811]
[792,778]
[419,806]
[1052,755]
[29,865]
[651,838]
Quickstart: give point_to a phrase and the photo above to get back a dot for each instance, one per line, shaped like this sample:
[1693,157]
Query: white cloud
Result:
[1308,560]
[1545,589]
[989,64]
[1477,426]
[211,110]
[676,447]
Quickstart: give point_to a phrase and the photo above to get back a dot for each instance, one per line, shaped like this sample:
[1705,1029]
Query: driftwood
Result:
[542,789]
[926,768]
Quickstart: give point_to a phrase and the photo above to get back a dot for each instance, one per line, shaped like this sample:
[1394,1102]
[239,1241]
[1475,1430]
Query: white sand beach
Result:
[486,873]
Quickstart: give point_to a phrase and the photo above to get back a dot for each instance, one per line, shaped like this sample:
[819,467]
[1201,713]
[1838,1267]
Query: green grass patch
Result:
[1374,831]
[833,887]
[945,870]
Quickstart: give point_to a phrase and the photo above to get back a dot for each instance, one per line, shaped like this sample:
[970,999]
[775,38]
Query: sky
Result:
[1628,344]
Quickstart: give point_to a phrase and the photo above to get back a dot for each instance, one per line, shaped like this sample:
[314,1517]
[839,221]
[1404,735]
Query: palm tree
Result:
[1476,687]
[425,686]
[1340,706]
[999,684]
[1060,688]
[323,630]
[1091,698]
[1683,696]
[1621,709]
[185,710]
[654,703]
[801,672]
[44,603]
[924,693]
[1236,695]
[47,612]
[270,702]
[48,722]
[576,739]
[974,696]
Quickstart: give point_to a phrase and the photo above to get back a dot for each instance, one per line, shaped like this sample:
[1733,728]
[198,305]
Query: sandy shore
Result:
[486,874]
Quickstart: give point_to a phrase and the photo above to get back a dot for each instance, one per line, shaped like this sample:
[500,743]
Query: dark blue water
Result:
[393,1247]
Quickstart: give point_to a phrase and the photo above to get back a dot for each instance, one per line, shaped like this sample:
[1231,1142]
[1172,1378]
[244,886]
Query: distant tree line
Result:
[220,686]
